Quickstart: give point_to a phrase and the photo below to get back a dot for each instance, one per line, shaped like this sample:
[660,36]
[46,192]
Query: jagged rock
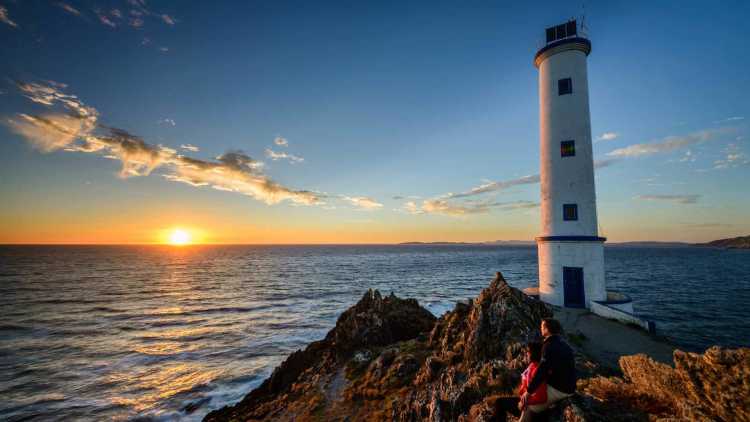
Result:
[478,351]
[380,364]
[713,386]
[374,321]
[710,386]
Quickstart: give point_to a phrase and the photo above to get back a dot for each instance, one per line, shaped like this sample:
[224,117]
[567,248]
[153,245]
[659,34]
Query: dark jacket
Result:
[557,367]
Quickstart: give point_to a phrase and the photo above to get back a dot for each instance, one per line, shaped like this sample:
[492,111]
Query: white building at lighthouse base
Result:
[555,256]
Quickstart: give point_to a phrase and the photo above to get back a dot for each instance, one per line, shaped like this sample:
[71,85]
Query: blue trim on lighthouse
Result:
[571,239]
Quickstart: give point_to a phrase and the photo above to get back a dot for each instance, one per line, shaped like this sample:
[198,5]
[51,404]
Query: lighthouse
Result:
[570,250]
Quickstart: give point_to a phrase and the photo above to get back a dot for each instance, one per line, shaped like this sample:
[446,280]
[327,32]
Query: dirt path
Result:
[607,340]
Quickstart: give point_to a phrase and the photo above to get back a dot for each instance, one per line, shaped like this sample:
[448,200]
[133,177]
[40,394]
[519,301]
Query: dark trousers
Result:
[507,405]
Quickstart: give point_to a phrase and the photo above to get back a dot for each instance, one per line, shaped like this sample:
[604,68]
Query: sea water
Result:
[169,333]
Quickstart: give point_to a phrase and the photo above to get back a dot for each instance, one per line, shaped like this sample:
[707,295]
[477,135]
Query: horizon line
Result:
[406,243]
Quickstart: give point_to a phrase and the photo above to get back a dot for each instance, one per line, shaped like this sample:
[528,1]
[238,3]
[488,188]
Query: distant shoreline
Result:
[742,242]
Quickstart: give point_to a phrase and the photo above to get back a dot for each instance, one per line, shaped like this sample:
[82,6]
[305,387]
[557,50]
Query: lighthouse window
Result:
[570,28]
[550,34]
[570,212]
[567,148]
[561,33]
[564,86]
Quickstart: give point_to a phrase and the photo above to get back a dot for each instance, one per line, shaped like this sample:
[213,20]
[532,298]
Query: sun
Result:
[179,237]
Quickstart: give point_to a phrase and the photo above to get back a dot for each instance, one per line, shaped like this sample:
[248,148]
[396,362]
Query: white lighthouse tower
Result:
[571,252]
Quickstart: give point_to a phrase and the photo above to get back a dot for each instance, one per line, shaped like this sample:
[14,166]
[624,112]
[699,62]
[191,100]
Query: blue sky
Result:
[388,108]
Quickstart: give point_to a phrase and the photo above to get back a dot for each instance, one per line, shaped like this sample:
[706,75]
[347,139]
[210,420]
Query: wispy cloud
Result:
[670,143]
[164,49]
[607,136]
[190,147]
[363,202]
[678,199]
[496,186]
[136,22]
[68,8]
[605,162]
[104,19]
[449,208]
[282,142]
[689,156]
[734,157]
[730,119]
[274,155]
[76,129]
[4,18]
[167,121]
[169,20]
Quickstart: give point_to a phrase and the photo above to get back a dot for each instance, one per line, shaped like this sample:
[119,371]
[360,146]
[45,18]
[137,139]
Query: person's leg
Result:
[527,415]
[553,395]
[506,405]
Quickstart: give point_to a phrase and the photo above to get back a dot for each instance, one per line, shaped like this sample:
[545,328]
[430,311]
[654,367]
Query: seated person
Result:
[513,404]
[556,373]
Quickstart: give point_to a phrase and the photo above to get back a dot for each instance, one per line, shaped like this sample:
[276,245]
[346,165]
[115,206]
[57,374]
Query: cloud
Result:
[679,199]
[496,186]
[449,208]
[163,49]
[168,19]
[668,144]
[189,147]
[136,23]
[730,119]
[4,18]
[68,8]
[50,132]
[605,162]
[167,122]
[75,128]
[363,202]
[689,156]
[734,158]
[104,19]
[282,142]
[273,155]
[607,136]
[412,208]
[116,13]
[56,130]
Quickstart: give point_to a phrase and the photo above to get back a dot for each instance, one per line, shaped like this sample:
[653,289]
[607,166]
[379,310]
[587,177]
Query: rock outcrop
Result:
[388,359]
[713,386]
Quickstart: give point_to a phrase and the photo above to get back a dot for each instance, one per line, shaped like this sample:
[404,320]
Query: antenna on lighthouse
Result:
[584,30]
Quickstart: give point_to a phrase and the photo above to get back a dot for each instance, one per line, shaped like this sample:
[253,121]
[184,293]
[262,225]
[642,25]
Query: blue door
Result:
[573,287]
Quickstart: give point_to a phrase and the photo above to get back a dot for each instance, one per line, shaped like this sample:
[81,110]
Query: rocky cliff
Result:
[389,359]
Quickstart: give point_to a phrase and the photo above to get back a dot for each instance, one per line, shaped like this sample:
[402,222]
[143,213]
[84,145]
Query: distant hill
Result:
[742,242]
[492,242]
[652,244]
[437,243]
[510,242]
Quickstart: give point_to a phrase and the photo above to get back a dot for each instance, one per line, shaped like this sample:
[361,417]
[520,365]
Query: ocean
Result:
[169,333]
